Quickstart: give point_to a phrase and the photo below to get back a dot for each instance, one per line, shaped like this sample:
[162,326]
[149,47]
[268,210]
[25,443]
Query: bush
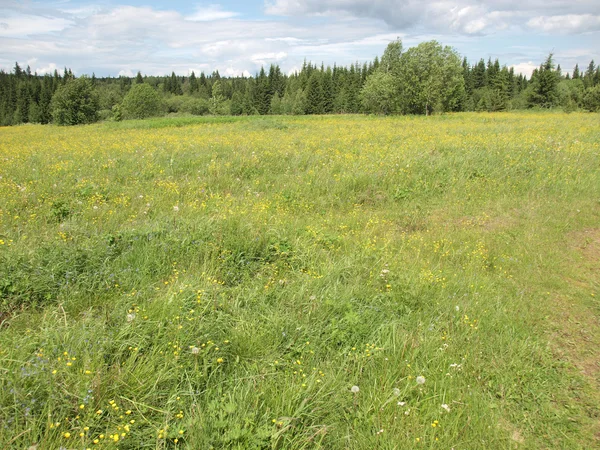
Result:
[104,114]
[591,100]
[75,103]
[140,102]
[185,104]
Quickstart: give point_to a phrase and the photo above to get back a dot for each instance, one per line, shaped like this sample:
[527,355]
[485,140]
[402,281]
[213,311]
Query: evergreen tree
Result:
[217,100]
[276,105]
[314,94]
[139,79]
[262,100]
[588,78]
[22,112]
[248,103]
[576,72]
[478,75]
[299,106]
[45,100]
[328,91]
[544,91]
[237,104]
[18,71]
[174,85]
[193,83]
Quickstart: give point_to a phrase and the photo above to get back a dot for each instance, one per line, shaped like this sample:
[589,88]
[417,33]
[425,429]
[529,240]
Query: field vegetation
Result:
[301,282]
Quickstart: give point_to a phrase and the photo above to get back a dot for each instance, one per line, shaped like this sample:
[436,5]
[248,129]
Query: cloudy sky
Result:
[112,37]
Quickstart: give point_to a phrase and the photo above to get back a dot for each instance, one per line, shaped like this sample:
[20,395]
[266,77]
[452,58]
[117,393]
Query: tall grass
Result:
[182,283]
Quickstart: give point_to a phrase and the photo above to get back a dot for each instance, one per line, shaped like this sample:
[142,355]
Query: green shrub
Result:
[140,102]
[75,103]
[591,100]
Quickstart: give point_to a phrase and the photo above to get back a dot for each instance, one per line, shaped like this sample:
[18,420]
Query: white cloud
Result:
[49,69]
[127,73]
[231,72]
[22,25]
[269,56]
[525,68]
[108,40]
[209,13]
[569,23]
[461,16]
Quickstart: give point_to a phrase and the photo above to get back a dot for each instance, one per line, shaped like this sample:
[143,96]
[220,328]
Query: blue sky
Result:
[112,37]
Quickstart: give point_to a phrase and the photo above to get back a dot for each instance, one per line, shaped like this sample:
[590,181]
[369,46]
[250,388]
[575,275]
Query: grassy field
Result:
[302,283]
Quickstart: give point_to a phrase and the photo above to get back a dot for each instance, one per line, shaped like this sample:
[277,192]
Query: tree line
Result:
[425,79]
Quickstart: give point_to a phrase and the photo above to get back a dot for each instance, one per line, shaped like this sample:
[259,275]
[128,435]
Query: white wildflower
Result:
[420,379]
[446,407]
[354,389]
[130,317]
[401,403]
[195,350]
[396,392]
[175,208]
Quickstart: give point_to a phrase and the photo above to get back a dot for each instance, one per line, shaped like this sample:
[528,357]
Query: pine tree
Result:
[175,85]
[314,94]
[248,103]
[139,79]
[576,72]
[193,83]
[217,100]
[544,92]
[276,106]
[588,78]
[262,101]
[45,100]
[22,111]
[328,91]
[237,104]
[467,76]
[478,75]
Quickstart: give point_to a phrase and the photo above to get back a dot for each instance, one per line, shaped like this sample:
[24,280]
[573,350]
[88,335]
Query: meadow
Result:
[334,282]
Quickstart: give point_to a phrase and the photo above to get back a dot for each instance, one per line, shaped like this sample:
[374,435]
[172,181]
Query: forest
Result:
[425,79]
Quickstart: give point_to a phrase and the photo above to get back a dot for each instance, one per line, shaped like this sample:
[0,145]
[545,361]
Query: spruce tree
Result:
[328,91]
[193,83]
[478,75]
[262,101]
[314,94]
[588,78]
[22,111]
[544,92]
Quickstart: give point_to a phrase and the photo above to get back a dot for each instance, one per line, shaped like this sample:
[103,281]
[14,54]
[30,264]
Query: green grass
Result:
[233,279]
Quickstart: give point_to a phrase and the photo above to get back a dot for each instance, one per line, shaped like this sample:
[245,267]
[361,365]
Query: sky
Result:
[235,37]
